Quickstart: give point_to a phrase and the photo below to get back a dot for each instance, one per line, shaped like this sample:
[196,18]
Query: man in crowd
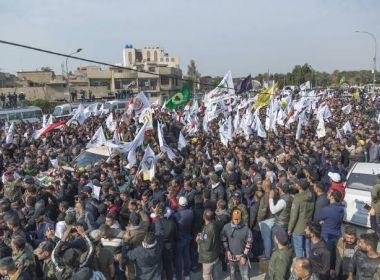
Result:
[300,214]
[345,250]
[282,258]
[237,241]
[366,260]
[319,254]
[209,246]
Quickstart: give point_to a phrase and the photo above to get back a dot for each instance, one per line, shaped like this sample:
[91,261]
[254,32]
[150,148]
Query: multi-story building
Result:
[147,58]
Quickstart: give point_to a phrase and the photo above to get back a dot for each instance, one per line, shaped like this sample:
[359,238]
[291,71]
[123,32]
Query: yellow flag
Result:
[263,98]
[356,95]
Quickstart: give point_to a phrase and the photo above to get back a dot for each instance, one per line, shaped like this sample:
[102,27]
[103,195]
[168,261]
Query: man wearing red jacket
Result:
[336,184]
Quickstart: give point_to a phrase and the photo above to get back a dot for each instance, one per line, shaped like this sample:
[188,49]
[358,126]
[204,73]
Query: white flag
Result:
[162,143]
[192,125]
[260,130]
[181,141]
[225,131]
[10,133]
[321,131]
[237,121]
[194,108]
[347,127]
[305,86]
[78,115]
[146,117]
[338,134]
[347,109]
[138,141]
[44,120]
[97,140]
[100,111]
[299,129]
[140,103]
[54,163]
[224,91]
[91,109]
[110,123]
[116,137]
[148,163]
[81,116]
[205,121]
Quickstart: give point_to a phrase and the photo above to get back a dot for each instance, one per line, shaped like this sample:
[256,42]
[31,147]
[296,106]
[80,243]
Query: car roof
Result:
[366,168]
[102,150]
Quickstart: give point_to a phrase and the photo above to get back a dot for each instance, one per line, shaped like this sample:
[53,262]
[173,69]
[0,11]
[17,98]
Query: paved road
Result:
[254,273]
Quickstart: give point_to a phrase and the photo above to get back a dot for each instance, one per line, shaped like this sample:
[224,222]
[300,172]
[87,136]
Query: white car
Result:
[360,180]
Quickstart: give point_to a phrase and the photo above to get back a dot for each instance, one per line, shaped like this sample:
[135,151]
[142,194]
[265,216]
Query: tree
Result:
[193,75]
[46,69]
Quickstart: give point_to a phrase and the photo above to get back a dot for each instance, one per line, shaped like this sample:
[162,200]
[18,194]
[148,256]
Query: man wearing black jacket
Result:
[319,254]
[209,245]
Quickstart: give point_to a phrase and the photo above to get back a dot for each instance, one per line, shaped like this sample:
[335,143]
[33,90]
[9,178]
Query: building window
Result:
[148,55]
[173,59]
[161,59]
[164,80]
[155,56]
[167,59]
[152,69]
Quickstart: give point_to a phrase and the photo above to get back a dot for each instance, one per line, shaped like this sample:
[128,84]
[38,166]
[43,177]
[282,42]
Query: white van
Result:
[360,180]
[64,110]
[31,114]
[68,109]
[115,106]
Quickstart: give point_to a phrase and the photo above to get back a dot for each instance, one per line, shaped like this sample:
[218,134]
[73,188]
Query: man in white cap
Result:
[184,218]
[336,184]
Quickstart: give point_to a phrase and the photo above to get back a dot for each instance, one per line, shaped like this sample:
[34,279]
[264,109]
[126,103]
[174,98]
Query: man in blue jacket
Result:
[331,218]
[184,219]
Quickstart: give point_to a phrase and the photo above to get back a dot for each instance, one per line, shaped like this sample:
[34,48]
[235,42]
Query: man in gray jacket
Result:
[237,240]
[208,246]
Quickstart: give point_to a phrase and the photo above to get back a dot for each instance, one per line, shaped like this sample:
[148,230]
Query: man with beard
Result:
[345,249]
[366,260]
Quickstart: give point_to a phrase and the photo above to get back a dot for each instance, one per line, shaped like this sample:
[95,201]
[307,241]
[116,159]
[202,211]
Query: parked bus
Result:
[29,114]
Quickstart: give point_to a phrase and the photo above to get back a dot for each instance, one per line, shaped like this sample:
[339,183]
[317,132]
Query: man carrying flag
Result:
[178,100]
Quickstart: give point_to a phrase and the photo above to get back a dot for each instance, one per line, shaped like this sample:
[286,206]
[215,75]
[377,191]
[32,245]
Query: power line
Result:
[95,61]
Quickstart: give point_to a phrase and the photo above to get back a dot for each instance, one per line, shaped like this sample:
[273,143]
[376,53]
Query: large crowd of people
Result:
[278,199]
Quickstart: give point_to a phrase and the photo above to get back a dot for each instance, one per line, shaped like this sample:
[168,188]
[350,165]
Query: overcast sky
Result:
[242,36]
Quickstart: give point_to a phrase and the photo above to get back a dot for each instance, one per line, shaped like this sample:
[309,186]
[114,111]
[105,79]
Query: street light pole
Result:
[67,58]
[67,69]
[375,55]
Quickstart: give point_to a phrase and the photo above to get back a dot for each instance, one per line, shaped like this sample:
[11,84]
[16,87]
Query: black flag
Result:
[245,85]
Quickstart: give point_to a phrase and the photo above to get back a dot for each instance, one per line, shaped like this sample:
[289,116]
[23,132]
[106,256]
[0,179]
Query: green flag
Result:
[178,100]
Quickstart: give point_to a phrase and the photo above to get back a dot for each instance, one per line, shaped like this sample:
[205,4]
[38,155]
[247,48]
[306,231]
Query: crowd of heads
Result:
[214,181]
